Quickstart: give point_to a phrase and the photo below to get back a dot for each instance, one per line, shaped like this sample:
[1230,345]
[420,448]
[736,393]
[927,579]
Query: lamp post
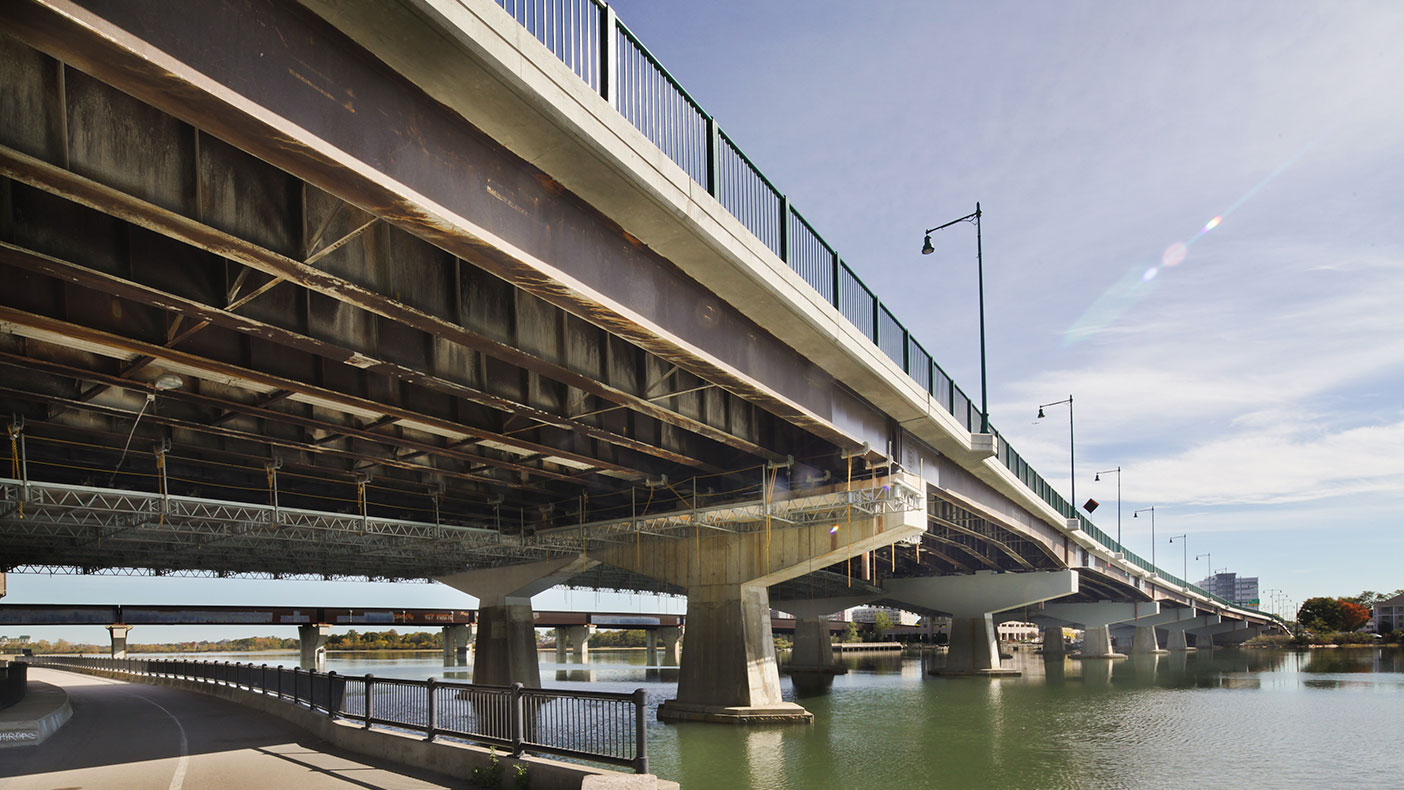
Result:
[1072,456]
[927,249]
[1098,478]
[1136,514]
[1184,546]
[1208,563]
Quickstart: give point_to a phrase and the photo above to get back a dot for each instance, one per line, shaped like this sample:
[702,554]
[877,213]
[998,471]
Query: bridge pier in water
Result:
[1179,631]
[312,644]
[668,638]
[118,638]
[457,642]
[578,637]
[1097,619]
[813,651]
[1147,641]
[972,602]
[1204,637]
[728,673]
[506,642]
[1053,644]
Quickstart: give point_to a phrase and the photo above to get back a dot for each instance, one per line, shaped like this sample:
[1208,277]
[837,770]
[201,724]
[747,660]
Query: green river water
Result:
[1208,719]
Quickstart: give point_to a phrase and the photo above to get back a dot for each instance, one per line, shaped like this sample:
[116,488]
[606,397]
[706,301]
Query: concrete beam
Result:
[982,593]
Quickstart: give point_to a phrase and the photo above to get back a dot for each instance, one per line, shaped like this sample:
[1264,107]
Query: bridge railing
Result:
[651,99]
[588,725]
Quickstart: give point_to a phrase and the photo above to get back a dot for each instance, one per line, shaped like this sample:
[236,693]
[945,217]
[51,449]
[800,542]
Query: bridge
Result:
[454,290]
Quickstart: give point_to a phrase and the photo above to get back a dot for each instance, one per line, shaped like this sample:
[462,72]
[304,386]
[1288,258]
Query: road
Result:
[130,735]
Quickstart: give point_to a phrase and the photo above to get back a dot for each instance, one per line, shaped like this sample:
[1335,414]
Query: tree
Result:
[1321,614]
[881,622]
[1353,615]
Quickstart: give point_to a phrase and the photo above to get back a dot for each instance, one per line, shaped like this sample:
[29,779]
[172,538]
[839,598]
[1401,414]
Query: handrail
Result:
[780,226]
[598,726]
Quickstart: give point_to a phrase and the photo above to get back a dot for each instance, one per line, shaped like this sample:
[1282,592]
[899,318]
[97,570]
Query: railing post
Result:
[331,709]
[294,674]
[516,715]
[263,678]
[431,709]
[837,299]
[370,699]
[785,229]
[713,157]
[609,56]
[640,731]
[877,322]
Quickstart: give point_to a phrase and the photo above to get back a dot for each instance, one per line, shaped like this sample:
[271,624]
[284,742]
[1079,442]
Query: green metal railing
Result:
[626,74]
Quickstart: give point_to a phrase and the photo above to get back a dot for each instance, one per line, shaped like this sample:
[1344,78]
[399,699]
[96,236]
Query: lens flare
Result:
[1174,255]
[1150,274]
[833,530]
[1211,224]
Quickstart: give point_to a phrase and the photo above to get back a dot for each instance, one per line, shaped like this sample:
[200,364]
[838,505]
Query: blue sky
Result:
[1252,390]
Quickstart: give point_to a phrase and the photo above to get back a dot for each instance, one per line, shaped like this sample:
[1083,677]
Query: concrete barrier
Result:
[33,719]
[450,759]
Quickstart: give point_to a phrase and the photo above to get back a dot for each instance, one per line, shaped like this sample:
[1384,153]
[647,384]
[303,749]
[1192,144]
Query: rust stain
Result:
[320,89]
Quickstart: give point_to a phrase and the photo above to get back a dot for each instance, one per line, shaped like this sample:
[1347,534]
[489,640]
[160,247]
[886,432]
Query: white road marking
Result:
[178,779]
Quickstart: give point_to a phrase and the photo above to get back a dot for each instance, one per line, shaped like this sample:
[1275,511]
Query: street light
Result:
[1072,457]
[1136,514]
[927,249]
[1098,478]
[1184,545]
[1208,563]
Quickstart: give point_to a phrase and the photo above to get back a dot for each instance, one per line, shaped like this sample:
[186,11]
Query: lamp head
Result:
[1097,478]
[1040,412]
[926,248]
[169,381]
[1136,514]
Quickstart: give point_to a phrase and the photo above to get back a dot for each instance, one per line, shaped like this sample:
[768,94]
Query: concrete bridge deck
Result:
[408,296]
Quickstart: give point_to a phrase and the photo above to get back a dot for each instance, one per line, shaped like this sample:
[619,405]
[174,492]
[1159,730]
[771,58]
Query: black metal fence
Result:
[587,725]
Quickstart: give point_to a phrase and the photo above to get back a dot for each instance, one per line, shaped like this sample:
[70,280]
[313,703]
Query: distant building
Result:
[1015,631]
[868,614]
[1389,615]
[1241,590]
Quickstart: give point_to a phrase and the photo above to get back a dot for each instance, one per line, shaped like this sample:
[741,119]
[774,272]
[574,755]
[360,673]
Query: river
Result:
[1220,718]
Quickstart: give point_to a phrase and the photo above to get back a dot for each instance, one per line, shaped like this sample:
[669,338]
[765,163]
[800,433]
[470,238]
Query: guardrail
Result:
[588,37]
[587,725]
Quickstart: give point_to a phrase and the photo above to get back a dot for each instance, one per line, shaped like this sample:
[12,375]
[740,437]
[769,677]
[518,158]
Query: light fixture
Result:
[169,381]
[926,248]
[1040,412]
[1097,478]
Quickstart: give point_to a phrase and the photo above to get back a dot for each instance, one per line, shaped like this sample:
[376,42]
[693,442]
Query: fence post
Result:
[370,699]
[640,731]
[294,671]
[516,715]
[785,229]
[263,678]
[713,157]
[609,56]
[431,709]
[331,681]
[837,295]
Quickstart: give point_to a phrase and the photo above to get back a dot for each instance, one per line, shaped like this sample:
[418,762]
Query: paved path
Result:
[130,735]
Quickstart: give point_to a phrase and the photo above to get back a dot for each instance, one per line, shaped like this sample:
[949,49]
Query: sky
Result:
[1191,225]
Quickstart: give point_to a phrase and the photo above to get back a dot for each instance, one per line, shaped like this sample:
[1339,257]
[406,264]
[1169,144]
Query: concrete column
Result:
[813,652]
[312,640]
[456,638]
[580,641]
[669,636]
[1239,635]
[728,672]
[1145,641]
[1053,645]
[506,643]
[971,601]
[1205,636]
[1180,629]
[119,639]
[1096,620]
[651,648]
[562,644]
